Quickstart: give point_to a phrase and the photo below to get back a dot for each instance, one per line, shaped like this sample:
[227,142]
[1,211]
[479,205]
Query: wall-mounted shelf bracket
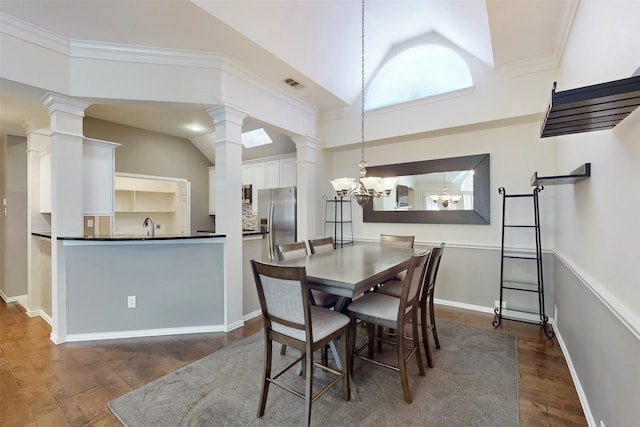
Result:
[577,175]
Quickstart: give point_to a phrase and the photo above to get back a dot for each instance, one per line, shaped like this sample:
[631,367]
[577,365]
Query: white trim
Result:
[88,49]
[143,333]
[627,317]
[251,315]
[33,34]
[574,375]
[20,299]
[234,325]
[480,308]
[39,313]
[161,178]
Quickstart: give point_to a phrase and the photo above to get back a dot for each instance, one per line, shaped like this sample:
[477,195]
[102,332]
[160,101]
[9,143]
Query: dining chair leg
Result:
[352,340]
[416,343]
[433,323]
[424,326]
[308,389]
[402,366]
[267,374]
[370,336]
[283,350]
[345,345]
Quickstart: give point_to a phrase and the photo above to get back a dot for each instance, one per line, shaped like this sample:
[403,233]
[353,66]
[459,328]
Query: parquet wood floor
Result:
[43,384]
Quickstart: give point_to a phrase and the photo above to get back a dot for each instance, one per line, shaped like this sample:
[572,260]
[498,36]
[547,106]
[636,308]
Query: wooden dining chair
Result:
[391,241]
[325,244]
[291,320]
[386,311]
[296,250]
[427,326]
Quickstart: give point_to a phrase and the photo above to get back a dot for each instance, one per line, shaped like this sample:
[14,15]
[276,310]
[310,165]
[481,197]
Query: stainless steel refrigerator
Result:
[277,213]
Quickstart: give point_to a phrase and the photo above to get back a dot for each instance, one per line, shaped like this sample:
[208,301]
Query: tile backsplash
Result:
[249,220]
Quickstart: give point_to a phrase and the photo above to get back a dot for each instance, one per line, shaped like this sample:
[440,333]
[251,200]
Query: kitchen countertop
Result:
[122,237]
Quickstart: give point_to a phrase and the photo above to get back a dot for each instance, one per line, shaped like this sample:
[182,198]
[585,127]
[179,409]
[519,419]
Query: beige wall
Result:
[150,153]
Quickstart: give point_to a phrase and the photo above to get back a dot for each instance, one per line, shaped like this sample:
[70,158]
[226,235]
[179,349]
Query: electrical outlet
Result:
[90,223]
[496,304]
[131,301]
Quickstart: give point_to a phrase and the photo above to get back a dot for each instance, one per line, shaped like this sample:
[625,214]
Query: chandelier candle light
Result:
[444,197]
[366,186]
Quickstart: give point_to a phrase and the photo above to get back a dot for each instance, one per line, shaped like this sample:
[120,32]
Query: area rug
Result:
[474,383]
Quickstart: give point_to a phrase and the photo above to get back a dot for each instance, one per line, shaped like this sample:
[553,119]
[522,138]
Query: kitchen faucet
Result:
[152,231]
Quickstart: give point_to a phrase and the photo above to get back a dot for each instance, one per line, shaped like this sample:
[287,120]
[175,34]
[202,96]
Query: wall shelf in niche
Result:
[581,173]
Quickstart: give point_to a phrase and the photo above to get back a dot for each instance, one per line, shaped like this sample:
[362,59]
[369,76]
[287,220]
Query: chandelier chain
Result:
[362,85]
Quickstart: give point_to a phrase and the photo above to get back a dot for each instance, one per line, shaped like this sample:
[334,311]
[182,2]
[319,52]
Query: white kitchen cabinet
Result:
[212,190]
[246,174]
[98,170]
[45,180]
[259,182]
[273,173]
[288,172]
[145,195]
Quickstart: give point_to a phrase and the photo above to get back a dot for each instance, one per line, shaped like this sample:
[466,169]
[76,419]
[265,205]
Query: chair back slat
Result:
[321,245]
[391,241]
[291,251]
[416,277]
[432,270]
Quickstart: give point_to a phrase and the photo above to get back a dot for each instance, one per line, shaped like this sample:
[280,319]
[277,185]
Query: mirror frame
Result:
[481,213]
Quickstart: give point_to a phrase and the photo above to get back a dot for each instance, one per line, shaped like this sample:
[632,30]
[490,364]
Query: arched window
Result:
[415,73]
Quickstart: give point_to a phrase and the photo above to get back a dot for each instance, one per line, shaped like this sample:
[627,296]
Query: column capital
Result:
[228,113]
[55,102]
[306,141]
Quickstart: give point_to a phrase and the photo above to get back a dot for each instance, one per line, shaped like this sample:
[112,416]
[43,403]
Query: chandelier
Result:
[445,198]
[365,186]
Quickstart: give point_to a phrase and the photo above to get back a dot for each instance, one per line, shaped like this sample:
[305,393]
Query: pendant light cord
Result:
[362,87]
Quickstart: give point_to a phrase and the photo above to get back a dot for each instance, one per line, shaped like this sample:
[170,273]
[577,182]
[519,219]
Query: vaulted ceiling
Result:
[315,42]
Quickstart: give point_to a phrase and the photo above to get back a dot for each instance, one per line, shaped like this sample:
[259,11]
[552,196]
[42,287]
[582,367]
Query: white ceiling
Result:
[316,42]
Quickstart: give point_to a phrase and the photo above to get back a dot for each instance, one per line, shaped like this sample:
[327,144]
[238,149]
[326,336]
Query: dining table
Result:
[352,270]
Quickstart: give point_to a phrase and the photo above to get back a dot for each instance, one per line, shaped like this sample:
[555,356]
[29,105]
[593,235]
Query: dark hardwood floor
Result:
[43,384]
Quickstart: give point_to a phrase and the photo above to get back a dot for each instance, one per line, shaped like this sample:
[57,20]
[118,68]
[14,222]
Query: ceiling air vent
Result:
[293,83]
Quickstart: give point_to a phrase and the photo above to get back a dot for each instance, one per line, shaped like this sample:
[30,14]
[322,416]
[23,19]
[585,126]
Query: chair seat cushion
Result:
[392,287]
[377,308]
[324,322]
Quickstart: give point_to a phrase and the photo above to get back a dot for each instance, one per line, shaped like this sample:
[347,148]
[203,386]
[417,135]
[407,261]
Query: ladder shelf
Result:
[533,254]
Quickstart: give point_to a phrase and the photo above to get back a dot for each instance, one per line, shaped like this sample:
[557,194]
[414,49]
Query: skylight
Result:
[255,138]
[415,73]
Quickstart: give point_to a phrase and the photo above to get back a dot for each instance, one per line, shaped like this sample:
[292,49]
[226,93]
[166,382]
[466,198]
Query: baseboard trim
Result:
[525,317]
[20,299]
[140,333]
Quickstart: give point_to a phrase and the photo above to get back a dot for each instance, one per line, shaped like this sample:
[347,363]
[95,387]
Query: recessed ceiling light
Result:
[255,138]
[195,127]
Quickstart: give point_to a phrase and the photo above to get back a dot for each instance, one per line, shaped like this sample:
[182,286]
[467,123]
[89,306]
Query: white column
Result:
[66,115]
[306,147]
[228,148]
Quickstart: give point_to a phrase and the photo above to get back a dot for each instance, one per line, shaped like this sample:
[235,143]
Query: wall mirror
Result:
[441,191]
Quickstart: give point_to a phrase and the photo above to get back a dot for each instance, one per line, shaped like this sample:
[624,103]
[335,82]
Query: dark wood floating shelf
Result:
[577,175]
[590,108]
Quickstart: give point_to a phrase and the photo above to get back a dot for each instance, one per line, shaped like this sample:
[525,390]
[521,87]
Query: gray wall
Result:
[177,284]
[14,232]
[603,353]
[150,153]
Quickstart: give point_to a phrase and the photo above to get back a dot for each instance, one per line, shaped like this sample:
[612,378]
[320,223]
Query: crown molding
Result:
[549,60]
[33,34]
[87,49]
